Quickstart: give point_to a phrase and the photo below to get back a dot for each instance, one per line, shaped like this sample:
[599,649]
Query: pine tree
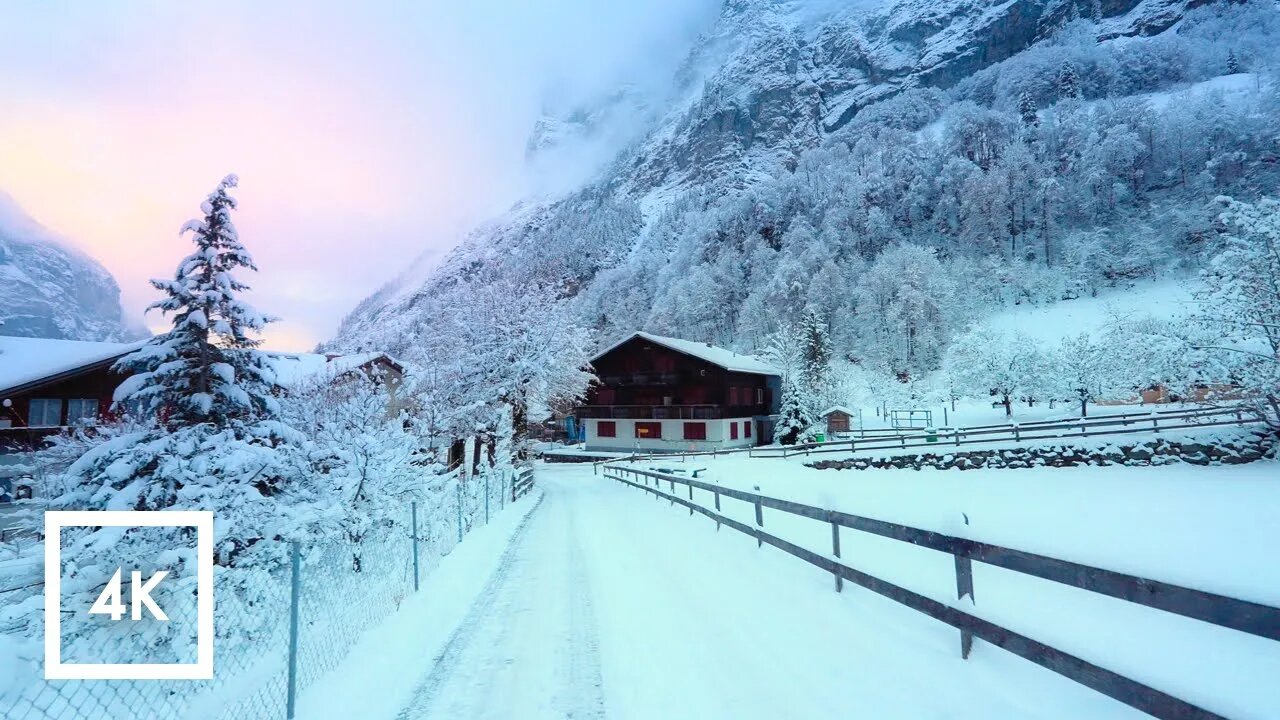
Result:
[204,369]
[1069,82]
[1027,110]
[794,418]
[816,371]
[1233,63]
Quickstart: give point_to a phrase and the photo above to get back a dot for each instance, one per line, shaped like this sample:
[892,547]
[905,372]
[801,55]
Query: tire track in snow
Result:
[529,647]
[585,679]
[446,663]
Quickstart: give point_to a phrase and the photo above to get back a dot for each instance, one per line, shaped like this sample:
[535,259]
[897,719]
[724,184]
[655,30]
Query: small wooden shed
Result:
[839,419]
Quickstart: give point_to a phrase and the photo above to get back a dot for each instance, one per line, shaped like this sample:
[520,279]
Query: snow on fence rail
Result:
[281,624]
[1242,615]
[1126,423]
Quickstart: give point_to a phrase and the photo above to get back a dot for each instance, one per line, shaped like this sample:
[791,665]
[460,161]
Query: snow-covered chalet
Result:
[667,394]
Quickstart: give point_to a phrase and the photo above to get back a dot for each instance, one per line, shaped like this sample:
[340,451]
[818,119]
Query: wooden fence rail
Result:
[522,483]
[1240,615]
[1025,432]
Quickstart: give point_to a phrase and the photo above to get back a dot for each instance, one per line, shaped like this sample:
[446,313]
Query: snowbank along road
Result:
[610,603]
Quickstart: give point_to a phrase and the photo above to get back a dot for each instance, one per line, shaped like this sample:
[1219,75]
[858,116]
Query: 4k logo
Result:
[141,605]
[109,602]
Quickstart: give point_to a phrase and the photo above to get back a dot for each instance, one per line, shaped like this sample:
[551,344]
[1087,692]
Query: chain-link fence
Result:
[281,622]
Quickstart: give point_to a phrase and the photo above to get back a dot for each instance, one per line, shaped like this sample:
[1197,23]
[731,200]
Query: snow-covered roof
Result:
[837,409]
[293,368]
[725,358]
[25,360]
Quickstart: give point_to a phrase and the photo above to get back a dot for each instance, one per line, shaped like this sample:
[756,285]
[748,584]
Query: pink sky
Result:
[363,135]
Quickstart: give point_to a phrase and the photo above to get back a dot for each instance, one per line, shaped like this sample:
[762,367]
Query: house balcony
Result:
[641,379]
[664,412]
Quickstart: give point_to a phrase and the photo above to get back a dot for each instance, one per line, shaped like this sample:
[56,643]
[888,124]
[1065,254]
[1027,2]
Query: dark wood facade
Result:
[643,379]
[81,396]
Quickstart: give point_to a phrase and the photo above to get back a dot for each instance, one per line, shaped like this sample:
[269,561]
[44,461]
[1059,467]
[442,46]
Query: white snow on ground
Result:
[1166,299]
[380,673]
[1211,528]
[612,603]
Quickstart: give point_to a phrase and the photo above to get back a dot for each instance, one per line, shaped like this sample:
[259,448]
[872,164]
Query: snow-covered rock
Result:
[49,289]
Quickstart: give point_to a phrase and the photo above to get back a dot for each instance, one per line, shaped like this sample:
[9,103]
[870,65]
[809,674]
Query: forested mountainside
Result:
[48,289]
[902,170]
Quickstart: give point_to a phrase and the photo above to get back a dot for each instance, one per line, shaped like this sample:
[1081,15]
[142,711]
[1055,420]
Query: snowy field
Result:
[609,603]
[1210,528]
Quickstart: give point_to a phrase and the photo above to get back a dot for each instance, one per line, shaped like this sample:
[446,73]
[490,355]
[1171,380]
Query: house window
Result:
[606,429]
[759,396]
[733,397]
[733,431]
[82,411]
[695,431]
[649,430]
[746,428]
[45,412]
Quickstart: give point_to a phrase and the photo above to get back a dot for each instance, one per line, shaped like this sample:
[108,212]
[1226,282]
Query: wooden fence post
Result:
[835,550]
[759,520]
[964,586]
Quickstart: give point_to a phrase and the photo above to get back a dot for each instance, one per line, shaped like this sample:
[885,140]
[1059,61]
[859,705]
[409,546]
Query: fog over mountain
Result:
[903,169]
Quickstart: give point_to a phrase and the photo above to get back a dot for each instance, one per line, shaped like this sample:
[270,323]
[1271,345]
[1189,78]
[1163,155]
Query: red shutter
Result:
[606,428]
[733,431]
[746,428]
[649,430]
[695,431]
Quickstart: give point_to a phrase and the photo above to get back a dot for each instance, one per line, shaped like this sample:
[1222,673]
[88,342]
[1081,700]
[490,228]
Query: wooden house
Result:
[838,419]
[48,386]
[666,394]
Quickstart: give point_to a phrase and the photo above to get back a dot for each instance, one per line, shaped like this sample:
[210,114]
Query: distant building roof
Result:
[725,358]
[26,361]
[33,361]
[294,368]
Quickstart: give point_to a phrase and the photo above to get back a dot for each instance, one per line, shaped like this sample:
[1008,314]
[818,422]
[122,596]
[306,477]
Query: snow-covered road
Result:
[610,603]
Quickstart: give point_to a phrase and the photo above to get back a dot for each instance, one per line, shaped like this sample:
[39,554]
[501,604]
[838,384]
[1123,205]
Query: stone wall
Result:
[1219,451]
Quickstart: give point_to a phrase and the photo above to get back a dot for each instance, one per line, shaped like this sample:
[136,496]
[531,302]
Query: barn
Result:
[663,394]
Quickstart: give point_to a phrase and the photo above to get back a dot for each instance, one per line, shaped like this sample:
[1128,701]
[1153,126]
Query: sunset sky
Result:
[363,134]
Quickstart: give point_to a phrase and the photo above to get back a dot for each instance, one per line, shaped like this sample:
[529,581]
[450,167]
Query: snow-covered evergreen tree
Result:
[1027,109]
[1233,63]
[204,435]
[1069,82]
[204,368]
[815,374]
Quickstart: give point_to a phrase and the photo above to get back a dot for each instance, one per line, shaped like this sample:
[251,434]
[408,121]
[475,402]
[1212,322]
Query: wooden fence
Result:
[1105,425]
[1241,615]
[522,483]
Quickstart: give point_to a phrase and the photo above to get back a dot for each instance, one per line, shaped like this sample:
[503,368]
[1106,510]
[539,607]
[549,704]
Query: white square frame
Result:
[54,668]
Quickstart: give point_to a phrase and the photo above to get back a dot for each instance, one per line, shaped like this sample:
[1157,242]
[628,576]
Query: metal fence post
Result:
[415,546]
[691,499]
[295,560]
[459,509]
[486,498]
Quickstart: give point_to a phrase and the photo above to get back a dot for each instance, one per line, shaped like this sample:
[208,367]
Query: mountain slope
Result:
[802,142]
[50,290]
